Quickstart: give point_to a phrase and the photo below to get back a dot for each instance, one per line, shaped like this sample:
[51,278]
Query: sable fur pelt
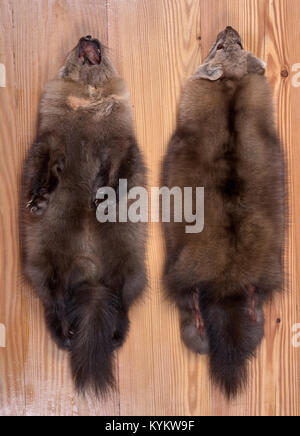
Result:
[226,142]
[87,274]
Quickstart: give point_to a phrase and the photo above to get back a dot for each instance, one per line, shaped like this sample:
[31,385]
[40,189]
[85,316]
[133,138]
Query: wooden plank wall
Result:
[156,45]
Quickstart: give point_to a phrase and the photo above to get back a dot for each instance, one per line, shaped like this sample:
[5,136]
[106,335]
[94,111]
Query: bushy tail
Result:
[92,317]
[233,334]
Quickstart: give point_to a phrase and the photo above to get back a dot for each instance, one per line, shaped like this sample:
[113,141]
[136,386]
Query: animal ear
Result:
[209,72]
[256,65]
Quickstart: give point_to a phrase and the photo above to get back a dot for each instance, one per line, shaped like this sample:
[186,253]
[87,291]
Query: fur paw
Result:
[193,340]
[38,203]
[121,330]
[96,202]
[62,341]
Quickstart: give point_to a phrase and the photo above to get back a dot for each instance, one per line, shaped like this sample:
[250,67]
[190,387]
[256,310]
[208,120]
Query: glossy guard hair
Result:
[86,273]
[226,142]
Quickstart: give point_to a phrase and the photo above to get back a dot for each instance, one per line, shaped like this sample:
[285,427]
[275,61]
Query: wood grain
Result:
[38,35]
[282,52]
[156,45]
[12,390]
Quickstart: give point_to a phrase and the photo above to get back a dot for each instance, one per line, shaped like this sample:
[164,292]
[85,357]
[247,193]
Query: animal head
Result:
[228,59]
[88,62]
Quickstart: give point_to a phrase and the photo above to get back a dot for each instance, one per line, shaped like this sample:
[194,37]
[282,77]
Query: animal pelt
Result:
[86,273]
[226,142]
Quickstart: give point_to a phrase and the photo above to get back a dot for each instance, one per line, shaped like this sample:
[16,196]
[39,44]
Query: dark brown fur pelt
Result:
[226,142]
[87,274]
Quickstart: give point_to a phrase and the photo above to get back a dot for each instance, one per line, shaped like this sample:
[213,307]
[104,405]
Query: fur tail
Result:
[234,328]
[92,317]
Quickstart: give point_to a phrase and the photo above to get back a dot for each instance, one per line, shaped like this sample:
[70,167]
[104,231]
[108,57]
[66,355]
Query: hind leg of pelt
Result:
[134,286]
[59,327]
[193,331]
[121,329]
[46,169]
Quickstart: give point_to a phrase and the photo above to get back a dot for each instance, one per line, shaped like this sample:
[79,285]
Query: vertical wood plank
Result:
[283,51]
[156,54]
[12,393]
[155,45]
[248,17]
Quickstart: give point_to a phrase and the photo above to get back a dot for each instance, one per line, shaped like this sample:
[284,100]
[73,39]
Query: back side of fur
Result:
[226,142]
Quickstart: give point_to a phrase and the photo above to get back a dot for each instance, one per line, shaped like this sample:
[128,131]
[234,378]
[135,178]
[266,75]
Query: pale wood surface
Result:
[155,45]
